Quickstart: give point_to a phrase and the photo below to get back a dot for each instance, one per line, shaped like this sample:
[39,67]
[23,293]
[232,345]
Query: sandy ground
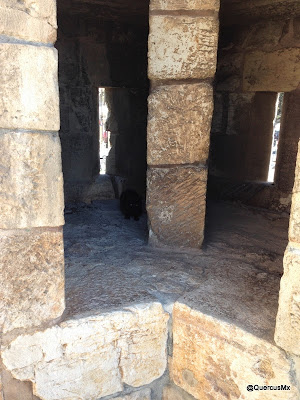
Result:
[235,277]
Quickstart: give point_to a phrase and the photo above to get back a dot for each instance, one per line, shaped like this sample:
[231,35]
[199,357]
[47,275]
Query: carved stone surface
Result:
[29,20]
[182,47]
[198,5]
[287,333]
[176,205]
[29,88]
[32,277]
[31,180]
[93,357]
[179,121]
[213,359]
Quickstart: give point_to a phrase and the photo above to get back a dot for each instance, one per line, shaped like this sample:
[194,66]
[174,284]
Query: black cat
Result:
[131,204]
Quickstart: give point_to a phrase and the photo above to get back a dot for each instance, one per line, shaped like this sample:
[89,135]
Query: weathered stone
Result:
[213,359]
[31,180]
[264,35]
[212,5]
[32,284]
[92,357]
[173,392]
[182,47]
[28,20]
[294,228]
[296,188]
[176,205]
[229,72]
[140,395]
[268,71]
[179,122]
[29,88]
[287,333]
[288,143]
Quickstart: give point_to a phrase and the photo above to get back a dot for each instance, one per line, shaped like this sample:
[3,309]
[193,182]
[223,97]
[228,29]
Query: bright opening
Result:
[104,133]
[275,139]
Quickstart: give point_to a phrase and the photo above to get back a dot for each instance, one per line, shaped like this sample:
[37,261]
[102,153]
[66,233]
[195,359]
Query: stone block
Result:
[287,333]
[31,180]
[171,5]
[296,188]
[34,21]
[32,277]
[29,87]
[213,359]
[229,72]
[179,121]
[176,205]
[294,227]
[182,47]
[276,71]
[93,357]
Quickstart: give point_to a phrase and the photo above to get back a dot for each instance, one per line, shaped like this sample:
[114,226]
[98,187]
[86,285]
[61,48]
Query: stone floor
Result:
[235,277]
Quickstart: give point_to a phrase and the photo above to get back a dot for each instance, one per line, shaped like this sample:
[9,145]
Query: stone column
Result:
[31,194]
[182,62]
[287,333]
[288,140]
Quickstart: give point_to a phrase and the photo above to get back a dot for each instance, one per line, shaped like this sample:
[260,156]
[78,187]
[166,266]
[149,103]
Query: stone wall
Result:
[182,63]
[257,58]
[92,54]
[31,215]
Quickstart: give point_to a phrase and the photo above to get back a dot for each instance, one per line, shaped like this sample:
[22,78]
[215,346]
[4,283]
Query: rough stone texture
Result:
[288,143]
[184,5]
[173,392]
[294,228]
[31,180]
[29,87]
[229,72]
[217,360]
[100,189]
[182,47]
[269,71]
[179,121]
[296,188]
[92,357]
[32,284]
[28,20]
[140,395]
[287,334]
[176,205]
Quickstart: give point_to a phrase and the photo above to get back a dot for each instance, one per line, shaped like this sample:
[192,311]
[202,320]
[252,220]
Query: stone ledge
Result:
[216,360]
[92,357]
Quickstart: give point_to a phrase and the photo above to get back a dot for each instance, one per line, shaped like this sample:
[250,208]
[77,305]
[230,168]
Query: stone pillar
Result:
[182,62]
[31,195]
[288,140]
[287,333]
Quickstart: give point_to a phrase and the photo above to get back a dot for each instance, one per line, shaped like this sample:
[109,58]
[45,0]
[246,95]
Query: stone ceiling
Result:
[131,11]
[241,11]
